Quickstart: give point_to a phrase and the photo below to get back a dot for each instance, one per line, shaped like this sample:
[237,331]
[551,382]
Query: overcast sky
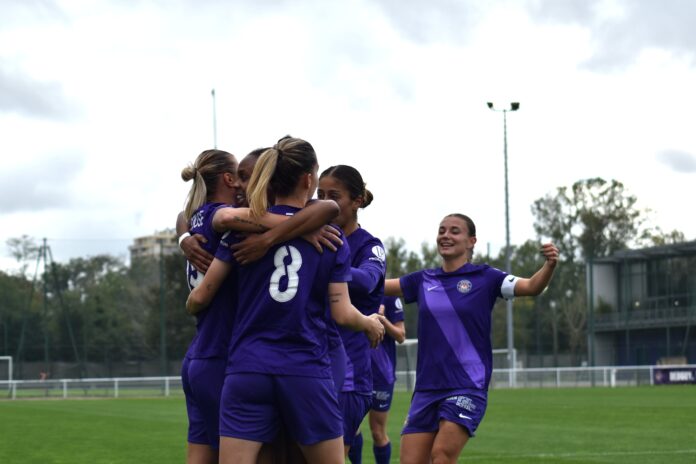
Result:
[102,103]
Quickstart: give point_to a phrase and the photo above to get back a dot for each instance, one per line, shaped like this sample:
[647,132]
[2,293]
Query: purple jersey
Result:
[281,323]
[384,357]
[454,325]
[366,289]
[214,323]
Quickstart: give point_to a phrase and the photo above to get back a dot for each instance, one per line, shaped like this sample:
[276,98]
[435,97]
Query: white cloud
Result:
[397,92]
[678,161]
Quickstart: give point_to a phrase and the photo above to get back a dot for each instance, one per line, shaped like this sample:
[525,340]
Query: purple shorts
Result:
[253,406]
[202,380]
[382,397]
[463,407]
[355,407]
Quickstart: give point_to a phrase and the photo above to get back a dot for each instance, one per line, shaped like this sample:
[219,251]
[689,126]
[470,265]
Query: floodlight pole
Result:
[163,323]
[512,356]
[212,93]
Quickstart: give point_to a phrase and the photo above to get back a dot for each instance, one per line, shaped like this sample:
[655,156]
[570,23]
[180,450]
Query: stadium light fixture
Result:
[212,94]
[514,106]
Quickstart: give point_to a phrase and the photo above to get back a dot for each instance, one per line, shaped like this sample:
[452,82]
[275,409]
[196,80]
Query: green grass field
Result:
[622,425]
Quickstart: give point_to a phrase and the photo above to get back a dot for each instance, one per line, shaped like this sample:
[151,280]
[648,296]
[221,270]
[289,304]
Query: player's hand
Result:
[550,252]
[374,329]
[380,311]
[326,236]
[194,252]
[252,248]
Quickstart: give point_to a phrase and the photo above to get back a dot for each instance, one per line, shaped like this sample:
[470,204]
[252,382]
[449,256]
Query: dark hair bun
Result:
[367,198]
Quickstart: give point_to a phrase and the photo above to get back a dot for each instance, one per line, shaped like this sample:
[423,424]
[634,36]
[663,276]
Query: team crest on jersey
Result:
[399,305]
[379,252]
[464,286]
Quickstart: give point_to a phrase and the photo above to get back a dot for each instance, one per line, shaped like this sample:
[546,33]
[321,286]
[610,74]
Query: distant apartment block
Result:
[164,242]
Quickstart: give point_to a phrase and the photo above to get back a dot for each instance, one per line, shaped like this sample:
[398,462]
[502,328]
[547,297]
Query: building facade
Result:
[163,242]
[643,307]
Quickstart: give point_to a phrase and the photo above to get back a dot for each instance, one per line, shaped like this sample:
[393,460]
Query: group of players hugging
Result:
[297,323]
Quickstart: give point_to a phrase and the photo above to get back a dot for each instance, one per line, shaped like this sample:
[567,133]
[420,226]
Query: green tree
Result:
[592,218]
[179,325]
[16,311]
[657,237]
[400,262]
[23,249]
[525,260]
[96,300]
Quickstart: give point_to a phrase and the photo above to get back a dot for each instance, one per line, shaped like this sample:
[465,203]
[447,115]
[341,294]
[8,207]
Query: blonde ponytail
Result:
[204,172]
[257,190]
[278,171]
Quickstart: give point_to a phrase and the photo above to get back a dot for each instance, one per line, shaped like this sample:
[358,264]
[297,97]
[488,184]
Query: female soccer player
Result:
[213,174]
[214,185]
[454,346]
[278,366]
[383,379]
[191,244]
[345,186]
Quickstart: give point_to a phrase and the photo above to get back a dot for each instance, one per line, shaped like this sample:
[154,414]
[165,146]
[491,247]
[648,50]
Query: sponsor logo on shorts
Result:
[464,286]
[462,416]
[463,402]
[381,395]
[383,405]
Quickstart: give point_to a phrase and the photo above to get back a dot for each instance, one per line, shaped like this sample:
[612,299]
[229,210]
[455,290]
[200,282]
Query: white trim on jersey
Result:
[507,288]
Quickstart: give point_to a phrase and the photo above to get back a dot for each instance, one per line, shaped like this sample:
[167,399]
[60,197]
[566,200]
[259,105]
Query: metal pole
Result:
[212,92]
[591,331]
[6,348]
[508,263]
[512,355]
[163,332]
[45,305]
[49,254]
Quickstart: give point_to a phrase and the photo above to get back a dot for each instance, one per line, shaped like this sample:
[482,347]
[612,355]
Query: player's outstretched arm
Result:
[239,219]
[191,245]
[309,223]
[541,278]
[201,296]
[392,287]
[347,315]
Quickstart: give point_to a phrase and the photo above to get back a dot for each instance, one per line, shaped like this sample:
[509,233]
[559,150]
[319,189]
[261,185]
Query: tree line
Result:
[100,310]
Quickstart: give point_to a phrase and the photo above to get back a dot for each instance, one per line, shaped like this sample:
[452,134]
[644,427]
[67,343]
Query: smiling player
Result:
[454,366]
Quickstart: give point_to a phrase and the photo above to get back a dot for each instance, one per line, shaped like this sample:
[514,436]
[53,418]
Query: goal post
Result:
[506,359]
[8,360]
[406,361]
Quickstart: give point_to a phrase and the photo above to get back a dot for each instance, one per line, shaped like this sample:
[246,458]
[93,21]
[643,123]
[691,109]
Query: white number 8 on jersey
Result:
[292,268]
